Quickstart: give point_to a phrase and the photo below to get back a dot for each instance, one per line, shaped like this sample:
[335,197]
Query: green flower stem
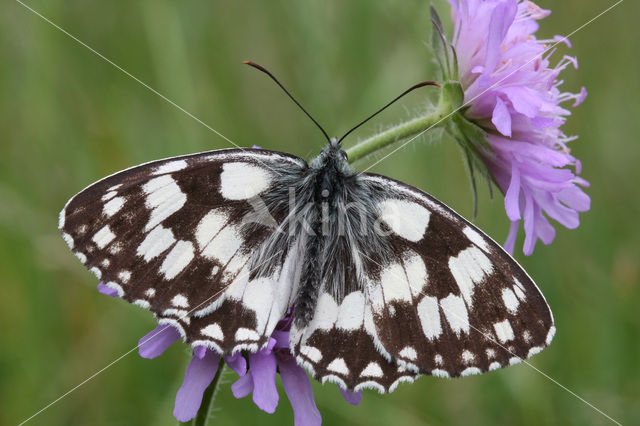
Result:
[450,100]
[202,418]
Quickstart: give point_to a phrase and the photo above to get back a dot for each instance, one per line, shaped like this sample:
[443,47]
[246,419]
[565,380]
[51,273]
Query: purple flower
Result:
[513,93]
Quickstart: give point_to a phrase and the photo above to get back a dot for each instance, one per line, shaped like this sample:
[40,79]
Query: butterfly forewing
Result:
[168,236]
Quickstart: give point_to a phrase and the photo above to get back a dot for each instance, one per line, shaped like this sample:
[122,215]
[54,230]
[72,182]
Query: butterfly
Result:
[386,283]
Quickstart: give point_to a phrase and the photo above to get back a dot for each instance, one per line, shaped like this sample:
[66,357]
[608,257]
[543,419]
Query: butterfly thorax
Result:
[327,214]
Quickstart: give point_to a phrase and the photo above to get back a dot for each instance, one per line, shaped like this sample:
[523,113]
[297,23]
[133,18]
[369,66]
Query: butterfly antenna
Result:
[409,90]
[264,70]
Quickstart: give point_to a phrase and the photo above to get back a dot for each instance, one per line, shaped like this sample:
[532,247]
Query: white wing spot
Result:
[80,256]
[351,312]
[338,366]
[156,242]
[150,292]
[470,371]
[171,167]
[113,206]
[510,300]
[103,237]
[503,331]
[326,313]
[456,313]
[550,334]
[105,263]
[515,360]
[494,366]
[469,268]
[476,238]
[213,330]
[109,195]
[142,303]
[409,353]
[373,369]
[115,248]
[440,373]
[68,239]
[241,181]
[311,352]
[438,359]
[116,287]
[164,198]
[178,258]
[180,301]
[96,272]
[210,225]
[124,276]
[519,289]
[61,218]
[394,284]
[468,357]
[429,315]
[224,245]
[535,350]
[247,334]
[416,272]
[407,219]
[490,353]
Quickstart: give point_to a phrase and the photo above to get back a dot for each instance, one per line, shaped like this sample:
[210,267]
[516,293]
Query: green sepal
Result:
[473,143]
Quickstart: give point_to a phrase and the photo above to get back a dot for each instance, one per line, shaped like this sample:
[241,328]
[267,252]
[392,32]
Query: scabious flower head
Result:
[513,93]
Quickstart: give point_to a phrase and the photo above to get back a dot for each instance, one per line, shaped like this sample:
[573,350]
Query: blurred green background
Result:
[68,118]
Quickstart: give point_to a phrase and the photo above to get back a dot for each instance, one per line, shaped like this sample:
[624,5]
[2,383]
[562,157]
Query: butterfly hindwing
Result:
[340,346]
[451,301]
[168,236]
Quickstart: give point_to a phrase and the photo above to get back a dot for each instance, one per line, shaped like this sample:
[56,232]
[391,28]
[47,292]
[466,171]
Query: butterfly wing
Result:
[340,345]
[169,236]
[450,302]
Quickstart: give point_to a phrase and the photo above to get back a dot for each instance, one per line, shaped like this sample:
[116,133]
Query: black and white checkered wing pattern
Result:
[168,236]
[451,302]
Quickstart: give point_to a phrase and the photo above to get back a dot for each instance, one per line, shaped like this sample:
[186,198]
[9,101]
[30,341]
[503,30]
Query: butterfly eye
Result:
[344,155]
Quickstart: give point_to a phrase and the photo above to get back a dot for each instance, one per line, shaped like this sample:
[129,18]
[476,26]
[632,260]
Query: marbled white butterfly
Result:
[386,282]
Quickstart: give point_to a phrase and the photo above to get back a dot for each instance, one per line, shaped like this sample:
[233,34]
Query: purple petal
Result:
[198,377]
[263,371]
[524,100]
[510,243]
[243,386]
[501,19]
[575,199]
[237,363]
[512,197]
[352,398]
[501,117]
[200,351]
[581,96]
[298,389]
[107,291]
[281,338]
[155,342]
